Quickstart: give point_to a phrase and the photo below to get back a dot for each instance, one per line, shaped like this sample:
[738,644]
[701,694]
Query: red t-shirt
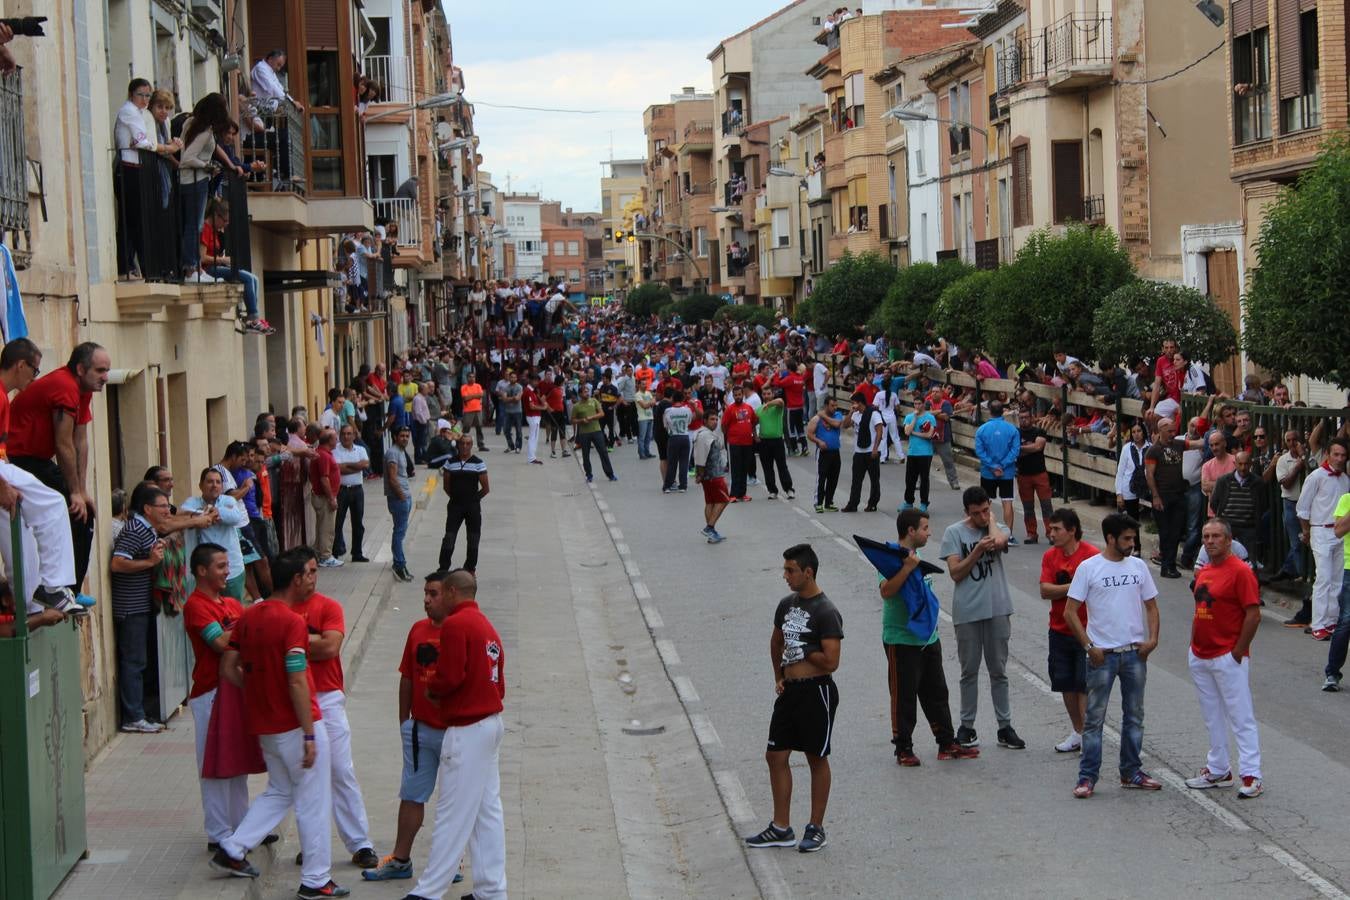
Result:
[793,387]
[377,382]
[471,669]
[739,424]
[697,409]
[321,465]
[1223,591]
[4,425]
[211,240]
[199,613]
[741,369]
[555,399]
[322,613]
[1172,379]
[31,432]
[868,390]
[420,654]
[1056,568]
[529,400]
[265,634]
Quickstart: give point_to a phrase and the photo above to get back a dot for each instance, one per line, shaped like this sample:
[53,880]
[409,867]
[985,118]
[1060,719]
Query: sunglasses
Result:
[1259,436]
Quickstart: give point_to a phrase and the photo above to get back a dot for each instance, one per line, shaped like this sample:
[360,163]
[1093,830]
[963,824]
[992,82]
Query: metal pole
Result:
[1064,437]
[643,235]
[16,577]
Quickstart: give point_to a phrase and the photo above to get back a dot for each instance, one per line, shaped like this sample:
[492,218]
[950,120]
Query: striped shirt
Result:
[462,476]
[131,590]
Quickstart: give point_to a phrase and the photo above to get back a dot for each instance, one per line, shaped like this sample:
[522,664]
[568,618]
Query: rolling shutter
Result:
[321,23]
[266,28]
[1289,48]
[1021,173]
[1066,160]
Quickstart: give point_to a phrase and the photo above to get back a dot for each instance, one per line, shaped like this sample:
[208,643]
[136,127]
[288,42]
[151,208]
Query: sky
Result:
[587,55]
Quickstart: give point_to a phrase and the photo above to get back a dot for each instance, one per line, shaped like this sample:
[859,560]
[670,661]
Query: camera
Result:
[27,26]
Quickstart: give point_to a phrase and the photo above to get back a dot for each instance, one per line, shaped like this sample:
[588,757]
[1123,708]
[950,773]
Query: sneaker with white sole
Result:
[1251,787]
[1332,684]
[813,839]
[772,836]
[141,726]
[1207,779]
[63,599]
[1071,744]
[331,562]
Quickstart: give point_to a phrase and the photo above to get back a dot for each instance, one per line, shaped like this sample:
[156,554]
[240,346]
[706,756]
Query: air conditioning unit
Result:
[206,10]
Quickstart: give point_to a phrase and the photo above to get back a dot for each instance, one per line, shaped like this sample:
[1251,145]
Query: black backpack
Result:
[1139,478]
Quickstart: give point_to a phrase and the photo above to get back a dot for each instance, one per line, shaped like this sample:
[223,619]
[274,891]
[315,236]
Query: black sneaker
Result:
[331,889]
[813,839]
[1170,573]
[966,737]
[366,858]
[359,558]
[772,836]
[1008,738]
[239,868]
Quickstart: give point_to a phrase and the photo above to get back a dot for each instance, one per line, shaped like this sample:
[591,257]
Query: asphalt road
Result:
[1006,823]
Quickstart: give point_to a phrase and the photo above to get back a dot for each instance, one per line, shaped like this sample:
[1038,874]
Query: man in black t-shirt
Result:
[804,651]
[1033,482]
[1167,484]
[465,481]
[659,432]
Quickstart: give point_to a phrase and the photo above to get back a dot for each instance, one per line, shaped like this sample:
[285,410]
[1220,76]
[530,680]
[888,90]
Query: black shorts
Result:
[1001,488]
[803,716]
[1067,663]
[661,442]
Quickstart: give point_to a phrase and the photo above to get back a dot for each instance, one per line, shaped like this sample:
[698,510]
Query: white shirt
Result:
[133,132]
[330,419]
[1114,594]
[819,375]
[719,375]
[1283,467]
[266,84]
[1125,468]
[1321,491]
[354,455]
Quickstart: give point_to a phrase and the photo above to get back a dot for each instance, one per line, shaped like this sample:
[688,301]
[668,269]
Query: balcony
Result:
[1075,53]
[698,138]
[277,140]
[815,186]
[394,76]
[733,121]
[734,192]
[402,213]
[14,171]
[1094,209]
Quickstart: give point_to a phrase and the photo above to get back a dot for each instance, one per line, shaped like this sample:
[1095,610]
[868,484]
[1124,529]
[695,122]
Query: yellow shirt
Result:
[407,390]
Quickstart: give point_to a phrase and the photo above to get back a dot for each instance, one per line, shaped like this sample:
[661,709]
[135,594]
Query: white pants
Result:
[532,440]
[890,435]
[224,800]
[349,810]
[468,813]
[1226,702]
[1327,551]
[291,785]
[48,552]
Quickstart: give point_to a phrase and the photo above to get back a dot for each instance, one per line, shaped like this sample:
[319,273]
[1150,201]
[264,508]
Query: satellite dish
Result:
[443,131]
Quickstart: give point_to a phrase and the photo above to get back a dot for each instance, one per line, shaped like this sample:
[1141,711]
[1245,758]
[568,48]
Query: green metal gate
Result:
[42,834]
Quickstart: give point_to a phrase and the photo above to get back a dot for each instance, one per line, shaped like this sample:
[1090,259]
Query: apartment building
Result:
[806,147]
[1285,91]
[679,189]
[523,232]
[622,195]
[565,257]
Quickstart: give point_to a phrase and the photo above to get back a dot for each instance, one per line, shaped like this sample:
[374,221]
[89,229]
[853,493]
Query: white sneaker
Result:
[331,562]
[1071,744]
[1251,787]
[141,727]
[200,277]
[1207,779]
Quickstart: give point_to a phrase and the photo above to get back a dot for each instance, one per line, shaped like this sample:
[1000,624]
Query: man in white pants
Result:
[48,551]
[267,658]
[1316,507]
[469,685]
[532,402]
[1227,614]
[327,626]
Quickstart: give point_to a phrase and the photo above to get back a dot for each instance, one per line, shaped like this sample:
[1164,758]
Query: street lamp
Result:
[918,115]
[436,102]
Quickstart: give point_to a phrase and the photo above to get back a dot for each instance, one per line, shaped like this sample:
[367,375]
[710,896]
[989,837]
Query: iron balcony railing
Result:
[276,137]
[394,76]
[1074,41]
[733,120]
[13,169]
[402,211]
[1094,209]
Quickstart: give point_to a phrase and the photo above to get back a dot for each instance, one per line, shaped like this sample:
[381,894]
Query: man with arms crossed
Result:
[1068,665]
[804,651]
[1227,613]
[1322,490]
[1121,632]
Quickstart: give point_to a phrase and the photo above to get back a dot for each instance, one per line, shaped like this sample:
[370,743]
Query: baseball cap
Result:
[443,425]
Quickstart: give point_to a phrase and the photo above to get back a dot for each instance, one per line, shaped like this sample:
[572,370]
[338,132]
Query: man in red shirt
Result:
[324,478]
[738,424]
[48,552]
[422,724]
[469,684]
[1227,614]
[49,437]
[327,626]
[557,416]
[267,657]
[532,403]
[1068,664]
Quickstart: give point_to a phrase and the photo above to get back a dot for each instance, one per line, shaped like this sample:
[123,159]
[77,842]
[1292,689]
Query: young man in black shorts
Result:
[804,650]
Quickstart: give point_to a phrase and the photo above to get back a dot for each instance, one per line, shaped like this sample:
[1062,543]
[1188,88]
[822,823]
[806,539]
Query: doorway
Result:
[1222,276]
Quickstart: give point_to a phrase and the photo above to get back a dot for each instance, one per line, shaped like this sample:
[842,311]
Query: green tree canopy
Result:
[746,314]
[1294,316]
[908,306]
[1134,318]
[698,307]
[1045,300]
[959,313]
[846,294]
[646,299]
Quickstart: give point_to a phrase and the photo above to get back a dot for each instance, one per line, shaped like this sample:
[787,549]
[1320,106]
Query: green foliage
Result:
[746,315]
[1137,316]
[1294,316]
[698,307]
[909,303]
[846,294]
[1045,300]
[959,314]
[646,299]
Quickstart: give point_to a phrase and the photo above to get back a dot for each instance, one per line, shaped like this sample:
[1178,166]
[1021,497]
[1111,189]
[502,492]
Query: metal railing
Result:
[276,137]
[13,168]
[394,76]
[405,213]
[1094,209]
[1073,41]
[695,127]
[733,120]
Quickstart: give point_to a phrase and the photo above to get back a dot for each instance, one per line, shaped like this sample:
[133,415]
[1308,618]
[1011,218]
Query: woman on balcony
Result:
[209,116]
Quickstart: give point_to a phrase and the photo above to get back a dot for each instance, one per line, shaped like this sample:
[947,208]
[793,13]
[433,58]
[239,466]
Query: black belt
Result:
[814,679]
[349,487]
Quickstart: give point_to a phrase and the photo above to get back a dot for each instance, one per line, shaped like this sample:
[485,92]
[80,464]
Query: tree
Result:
[646,299]
[698,307]
[1134,318]
[908,308]
[959,314]
[846,294]
[746,315]
[1294,316]
[1044,301]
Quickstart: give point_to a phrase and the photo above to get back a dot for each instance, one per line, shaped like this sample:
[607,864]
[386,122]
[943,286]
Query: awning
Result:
[288,281]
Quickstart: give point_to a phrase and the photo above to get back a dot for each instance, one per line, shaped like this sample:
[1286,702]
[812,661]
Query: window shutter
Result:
[1289,48]
[1260,13]
[1241,16]
[321,23]
[266,29]
[1067,163]
[883,222]
[1307,5]
[1021,166]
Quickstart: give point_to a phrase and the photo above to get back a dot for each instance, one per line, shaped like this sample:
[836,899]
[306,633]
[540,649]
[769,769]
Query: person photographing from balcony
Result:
[216,263]
[209,116]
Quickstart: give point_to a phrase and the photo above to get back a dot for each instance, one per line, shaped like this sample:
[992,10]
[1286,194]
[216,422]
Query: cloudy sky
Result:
[590,55]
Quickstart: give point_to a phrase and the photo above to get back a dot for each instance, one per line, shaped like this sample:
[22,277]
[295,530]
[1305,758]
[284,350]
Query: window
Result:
[891,219]
[1066,164]
[958,132]
[573,248]
[380,171]
[1300,93]
[958,225]
[854,89]
[557,248]
[857,205]
[701,241]
[573,274]
[325,120]
[381,26]
[918,162]
[1021,187]
[1251,70]
[782,228]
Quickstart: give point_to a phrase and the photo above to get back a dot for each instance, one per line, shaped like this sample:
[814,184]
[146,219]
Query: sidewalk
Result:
[144,808]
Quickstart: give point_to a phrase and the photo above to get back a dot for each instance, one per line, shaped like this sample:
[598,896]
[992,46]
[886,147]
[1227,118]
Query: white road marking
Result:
[733,795]
[623,549]
[666,647]
[654,620]
[820,526]
[640,591]
[631,568]
[609,518]
[1305,874]
[847,545]
[386,554]
[615,533]
[764,863]
[601,504]
[685,688]
[704,730]
[800,511]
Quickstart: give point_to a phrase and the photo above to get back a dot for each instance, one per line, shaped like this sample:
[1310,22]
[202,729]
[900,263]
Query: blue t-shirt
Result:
[830,435]
[920,446]
[399,410]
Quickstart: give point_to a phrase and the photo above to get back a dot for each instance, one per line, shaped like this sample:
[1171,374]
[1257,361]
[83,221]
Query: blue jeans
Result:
[1293,563]
[1196,501]
[192,198]
[644,438]
[400,510]
[1340,638]
[510,424]
[132,633]
[1131,670]
[244,277]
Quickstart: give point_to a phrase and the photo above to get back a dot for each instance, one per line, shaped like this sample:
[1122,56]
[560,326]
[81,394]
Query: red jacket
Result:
[738,422]
[793,387]
[470,679]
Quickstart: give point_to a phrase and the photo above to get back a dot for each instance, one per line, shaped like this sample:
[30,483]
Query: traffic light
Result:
[632,238]
[619,235]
